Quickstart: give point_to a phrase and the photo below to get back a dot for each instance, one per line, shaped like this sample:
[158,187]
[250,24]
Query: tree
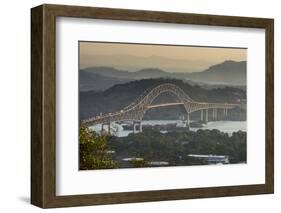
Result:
[93,151]
[139,163]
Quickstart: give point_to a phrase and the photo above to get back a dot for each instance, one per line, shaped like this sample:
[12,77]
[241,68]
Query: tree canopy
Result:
[93,151]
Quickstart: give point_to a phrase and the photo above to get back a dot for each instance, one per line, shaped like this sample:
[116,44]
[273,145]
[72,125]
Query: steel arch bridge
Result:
[137,109]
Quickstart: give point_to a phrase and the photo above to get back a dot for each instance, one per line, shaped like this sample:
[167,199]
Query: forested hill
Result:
[92,103]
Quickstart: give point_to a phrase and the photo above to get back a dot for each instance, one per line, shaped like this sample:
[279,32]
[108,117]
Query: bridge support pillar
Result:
[109,128]
[187,121]
[135,124]
[215,114]
[206,116]
[225,113]
[134,127]
[140,127]
[202,114]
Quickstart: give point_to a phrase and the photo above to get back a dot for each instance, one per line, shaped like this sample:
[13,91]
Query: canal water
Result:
[224,126]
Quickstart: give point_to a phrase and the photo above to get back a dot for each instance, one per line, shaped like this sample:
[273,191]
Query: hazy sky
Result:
[133,57]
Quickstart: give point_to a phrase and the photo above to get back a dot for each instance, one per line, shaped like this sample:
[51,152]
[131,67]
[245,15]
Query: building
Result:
[212,159]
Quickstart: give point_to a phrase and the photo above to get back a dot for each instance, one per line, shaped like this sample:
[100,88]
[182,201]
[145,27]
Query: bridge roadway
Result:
[137,109]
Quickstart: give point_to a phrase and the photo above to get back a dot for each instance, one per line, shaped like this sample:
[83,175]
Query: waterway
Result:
[224,126]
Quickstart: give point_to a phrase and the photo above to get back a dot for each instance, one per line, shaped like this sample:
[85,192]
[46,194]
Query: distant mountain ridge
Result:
[92,81]
[228,73]
[124,74]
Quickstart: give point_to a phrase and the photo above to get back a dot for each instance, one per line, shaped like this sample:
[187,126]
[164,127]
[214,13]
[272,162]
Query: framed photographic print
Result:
[136,106]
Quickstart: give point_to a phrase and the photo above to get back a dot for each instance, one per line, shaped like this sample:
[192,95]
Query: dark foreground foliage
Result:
[150,145]
[174,147]
[93,151]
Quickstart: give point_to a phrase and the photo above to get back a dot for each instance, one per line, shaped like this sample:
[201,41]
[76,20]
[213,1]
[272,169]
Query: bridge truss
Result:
[137,109]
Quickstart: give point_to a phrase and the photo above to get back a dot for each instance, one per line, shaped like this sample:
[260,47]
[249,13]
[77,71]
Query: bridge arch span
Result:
[137,109]
[166,88]
[148,99]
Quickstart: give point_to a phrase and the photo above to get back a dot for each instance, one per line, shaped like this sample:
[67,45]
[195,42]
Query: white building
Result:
[212,159]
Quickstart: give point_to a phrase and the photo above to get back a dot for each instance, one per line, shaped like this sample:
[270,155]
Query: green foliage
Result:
[139,163]
[93,151]
[174,147]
